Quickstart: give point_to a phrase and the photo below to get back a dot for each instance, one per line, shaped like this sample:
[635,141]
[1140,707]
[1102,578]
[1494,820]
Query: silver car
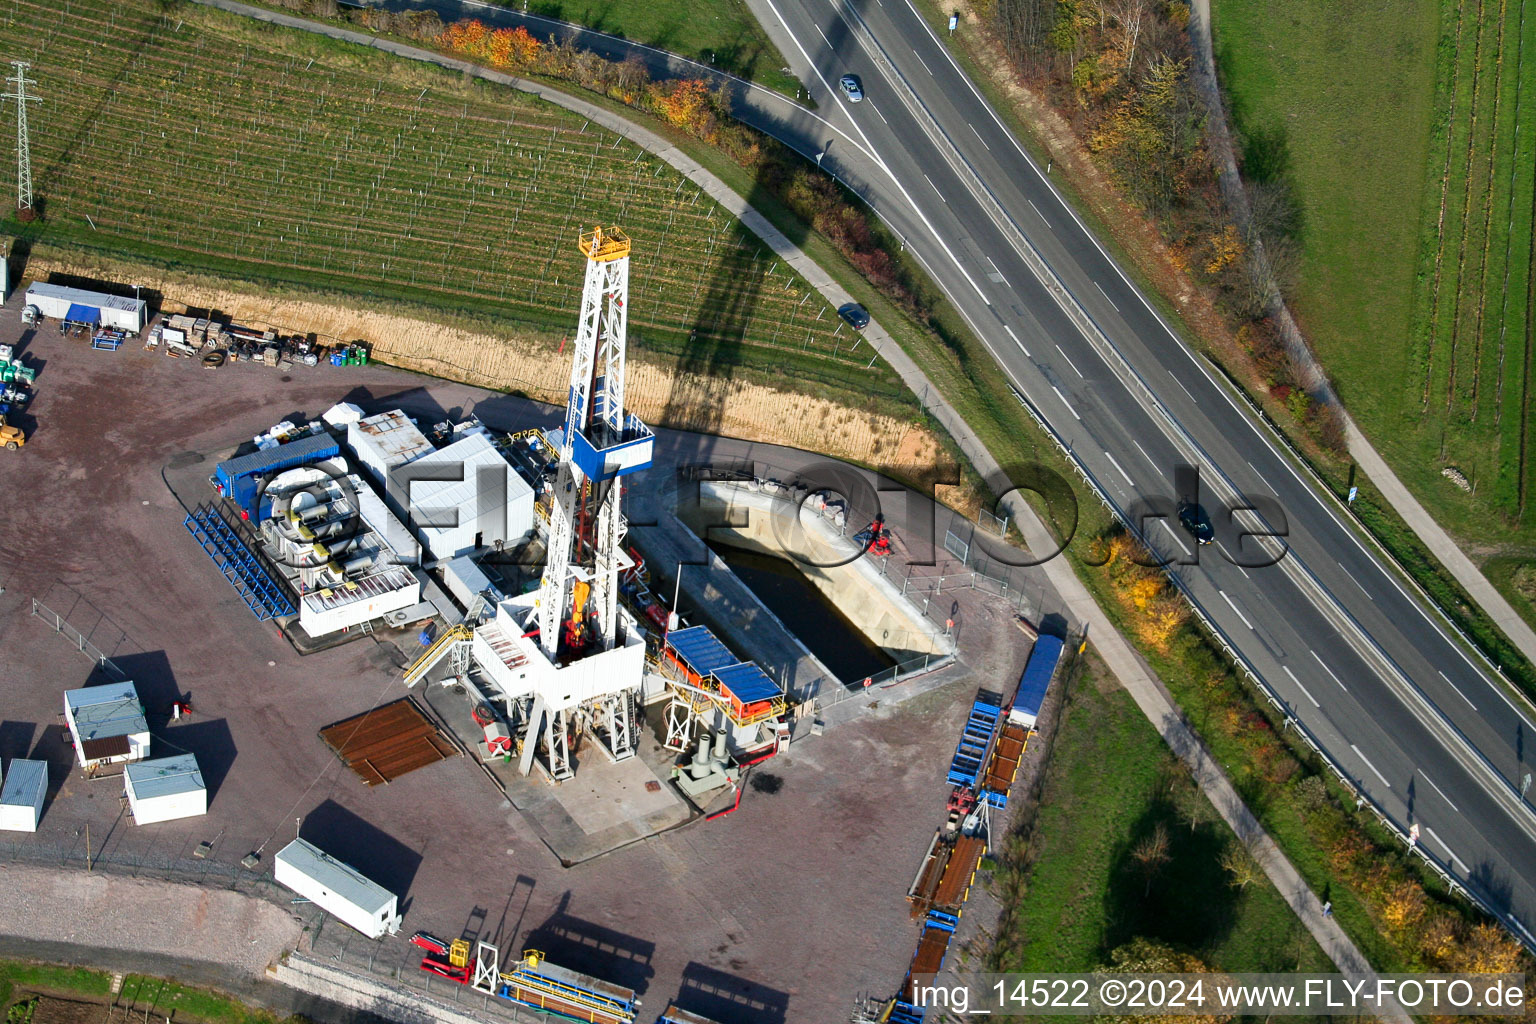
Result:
[851,88]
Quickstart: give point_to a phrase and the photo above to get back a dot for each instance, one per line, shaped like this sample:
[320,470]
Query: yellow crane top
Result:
[602,246]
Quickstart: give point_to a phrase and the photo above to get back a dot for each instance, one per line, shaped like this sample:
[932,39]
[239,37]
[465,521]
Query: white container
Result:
[165,789]
[21,798]
[338,889]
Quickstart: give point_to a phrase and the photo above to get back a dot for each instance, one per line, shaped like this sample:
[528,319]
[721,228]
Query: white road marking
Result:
[1356,582]
[1448,851]
[1016,340]
[875,109]
[1232,561]
[978,137]
[1303,689]
[1336,679]
[1425,776]
[1458,691]
[1069,361]
[1175,535]
[1123,473]
[1181,385]
[1106,296]
[823,36]
[1032,206]
[1064,401]
[936,190]
[1144,453]
[1235,608]
[922,62]
[999,273]
[1367,762]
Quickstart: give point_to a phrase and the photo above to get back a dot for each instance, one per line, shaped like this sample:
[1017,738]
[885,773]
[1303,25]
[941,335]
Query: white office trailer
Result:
[83,307]
[165,789]
[22,794]
[107,724]
[339,889]
[386,441]
[464,497]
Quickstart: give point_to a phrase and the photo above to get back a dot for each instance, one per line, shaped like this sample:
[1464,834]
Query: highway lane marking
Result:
[1174,534]
[875,109]
[1016,340]
[1336,679]
[1356,582]
[823,36]
[1144,453]
[923,62]
[1458,691]
[1000,278]
[1446,847]
[1303,689]
[1069,361]
[1123,473]
[1425,776]
[1032,206]
[1106,296]
[1234,607]
[1232,561]
[978,136]
[1065,402]
[1367,762]
[936,190]
[1184,389]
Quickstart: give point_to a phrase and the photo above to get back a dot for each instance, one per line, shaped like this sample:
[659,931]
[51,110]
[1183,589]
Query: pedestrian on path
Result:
[1328,908]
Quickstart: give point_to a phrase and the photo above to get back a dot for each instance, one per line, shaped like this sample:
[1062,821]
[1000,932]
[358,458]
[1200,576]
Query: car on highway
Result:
[1193,518]
[851,88]
[856,315]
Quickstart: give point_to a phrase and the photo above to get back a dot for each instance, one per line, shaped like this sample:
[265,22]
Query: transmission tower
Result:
[19,84]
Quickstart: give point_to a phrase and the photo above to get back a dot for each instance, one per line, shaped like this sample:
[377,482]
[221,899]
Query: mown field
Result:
[191,139]
[1111,783]
[1405,136]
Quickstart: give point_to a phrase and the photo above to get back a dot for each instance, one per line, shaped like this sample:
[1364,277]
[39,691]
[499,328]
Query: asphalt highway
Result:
[1366,667]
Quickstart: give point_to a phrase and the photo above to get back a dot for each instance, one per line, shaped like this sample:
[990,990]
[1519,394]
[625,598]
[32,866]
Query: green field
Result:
[196,140]
[719,32]
[1395,127]
[1111,782]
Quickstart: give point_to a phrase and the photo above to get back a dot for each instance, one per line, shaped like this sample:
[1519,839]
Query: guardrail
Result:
[1465,886]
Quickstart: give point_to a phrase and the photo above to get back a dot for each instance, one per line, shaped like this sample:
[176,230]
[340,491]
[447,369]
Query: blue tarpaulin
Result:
[79,314]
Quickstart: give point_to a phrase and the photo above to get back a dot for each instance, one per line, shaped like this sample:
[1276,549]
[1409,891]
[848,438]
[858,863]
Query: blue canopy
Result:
[79,314]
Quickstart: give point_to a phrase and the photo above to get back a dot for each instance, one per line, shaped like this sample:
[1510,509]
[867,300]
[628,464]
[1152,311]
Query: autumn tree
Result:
[1151,854]
[1143,956]
[1239,862]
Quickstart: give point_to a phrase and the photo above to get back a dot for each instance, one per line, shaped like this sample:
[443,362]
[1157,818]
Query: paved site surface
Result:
[784,911]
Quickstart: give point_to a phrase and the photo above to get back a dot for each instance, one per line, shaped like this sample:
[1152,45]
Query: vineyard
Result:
[189,139]
[1476,282]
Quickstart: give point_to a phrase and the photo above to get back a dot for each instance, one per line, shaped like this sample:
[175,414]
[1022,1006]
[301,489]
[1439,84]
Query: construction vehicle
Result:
[12,437]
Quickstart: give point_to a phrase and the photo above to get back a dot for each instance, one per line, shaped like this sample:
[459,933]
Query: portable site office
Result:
[338,889]
[22,795]
[165,789]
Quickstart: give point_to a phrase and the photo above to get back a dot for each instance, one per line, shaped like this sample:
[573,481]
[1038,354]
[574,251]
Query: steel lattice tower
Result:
[578,600]
[19,83]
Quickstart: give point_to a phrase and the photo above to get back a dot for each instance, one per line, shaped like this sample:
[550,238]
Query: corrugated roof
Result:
[79,295]
[747,682]
[165,776]
[342,879]
[25,783]
[431,498]
[700,649]
[392,436]
[314,447]
[102,711]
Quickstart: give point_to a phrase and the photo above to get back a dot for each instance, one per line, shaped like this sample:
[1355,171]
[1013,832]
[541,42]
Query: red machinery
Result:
[445,959]
[875,538]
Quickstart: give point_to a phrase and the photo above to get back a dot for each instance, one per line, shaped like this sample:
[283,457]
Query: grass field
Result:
[164,998]
[718,32]
[196,140]
[1111,782]
[1395,127]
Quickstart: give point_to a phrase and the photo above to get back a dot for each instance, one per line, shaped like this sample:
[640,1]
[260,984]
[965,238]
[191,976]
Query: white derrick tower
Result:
[578,599]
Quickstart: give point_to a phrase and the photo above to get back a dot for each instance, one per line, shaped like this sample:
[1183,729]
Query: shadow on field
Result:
[1172,889]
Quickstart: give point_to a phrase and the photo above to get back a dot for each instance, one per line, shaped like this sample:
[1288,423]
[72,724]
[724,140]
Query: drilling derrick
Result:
[578,599]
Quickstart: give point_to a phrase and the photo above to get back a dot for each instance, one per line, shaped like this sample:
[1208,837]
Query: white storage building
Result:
[21,797]
[165,789]
[107,724]
[81,306]
[337,888]
[385,441]
[483,501]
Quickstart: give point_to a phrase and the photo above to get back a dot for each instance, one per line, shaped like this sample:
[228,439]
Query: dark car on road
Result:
[851,88]
[1193,518]
[855,314]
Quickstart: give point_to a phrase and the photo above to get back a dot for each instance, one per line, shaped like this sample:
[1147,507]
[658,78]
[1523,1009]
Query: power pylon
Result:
[19,84]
